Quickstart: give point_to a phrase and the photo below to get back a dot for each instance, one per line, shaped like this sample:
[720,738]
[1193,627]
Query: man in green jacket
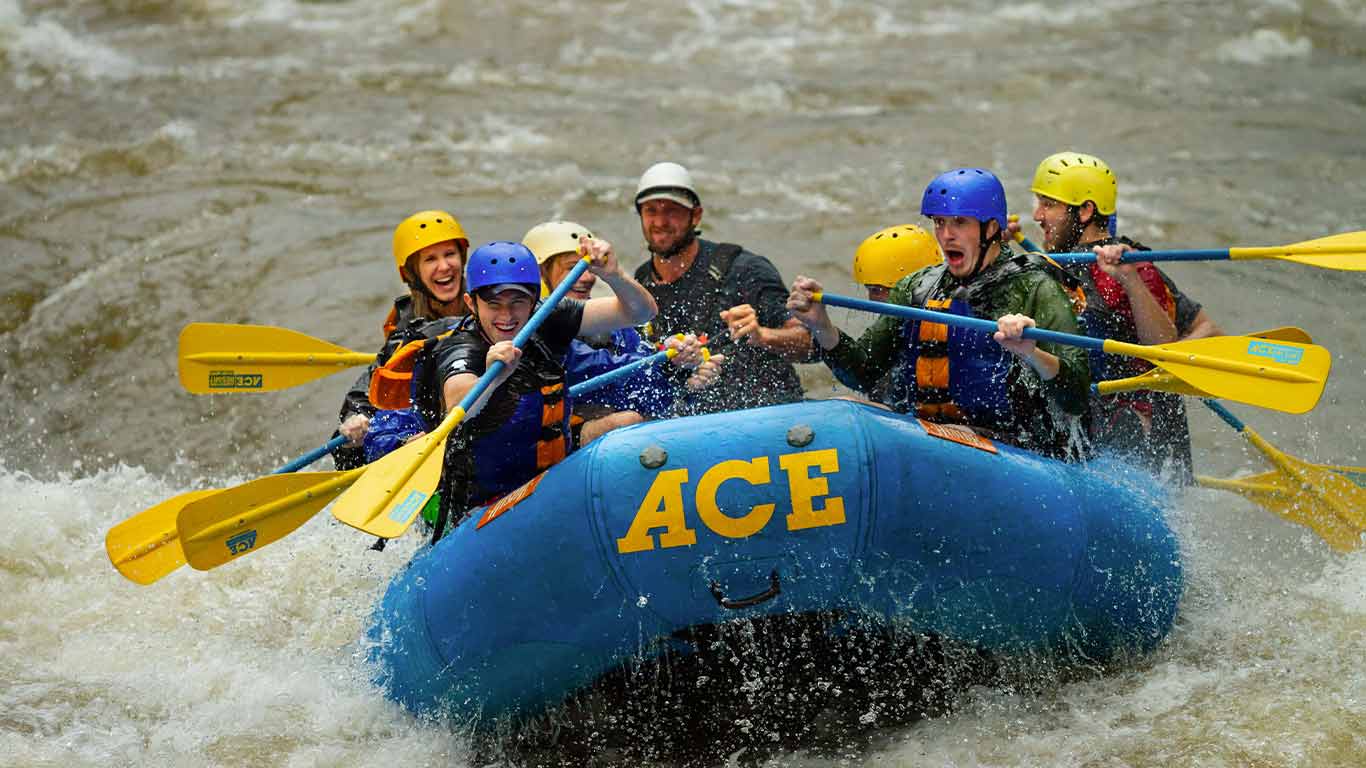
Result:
[1005,386]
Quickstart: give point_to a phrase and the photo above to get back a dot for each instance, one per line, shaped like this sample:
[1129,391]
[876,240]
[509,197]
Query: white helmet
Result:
[667,181]
[552,237]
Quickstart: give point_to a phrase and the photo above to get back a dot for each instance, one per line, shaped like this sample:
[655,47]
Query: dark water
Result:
[171,162]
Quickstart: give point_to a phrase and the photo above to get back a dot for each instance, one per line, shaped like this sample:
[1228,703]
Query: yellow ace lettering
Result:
[753,472]
[662,508]
[805,489]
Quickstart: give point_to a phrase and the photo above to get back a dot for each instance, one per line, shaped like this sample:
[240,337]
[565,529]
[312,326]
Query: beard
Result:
[678,246]
[1069,234]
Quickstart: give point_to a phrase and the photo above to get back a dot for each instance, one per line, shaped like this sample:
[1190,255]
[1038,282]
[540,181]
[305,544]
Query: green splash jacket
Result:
[1013,284]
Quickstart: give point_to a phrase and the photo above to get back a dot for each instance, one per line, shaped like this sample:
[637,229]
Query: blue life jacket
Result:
[954,374]
[389,430]
[648,392]
[535,437]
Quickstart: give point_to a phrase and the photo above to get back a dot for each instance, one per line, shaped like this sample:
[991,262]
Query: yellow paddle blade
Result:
[1285,333]
[1332,492]
[1276,493]
[1280,375]
[241,520]
[394,489]
[146,546]
[1156,380]
[222,357]
[1355,474]
[1346,251]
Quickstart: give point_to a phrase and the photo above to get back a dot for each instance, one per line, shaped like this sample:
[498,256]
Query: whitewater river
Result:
[171,161]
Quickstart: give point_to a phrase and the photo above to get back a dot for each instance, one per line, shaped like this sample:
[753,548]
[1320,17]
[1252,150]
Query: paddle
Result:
[1329,500]
[147,546]
[1346,252]
[245,518]
[1020,238]
[392,491]
[222,357]
[1159,380]
[603,379]
[219,526]
[1280,375]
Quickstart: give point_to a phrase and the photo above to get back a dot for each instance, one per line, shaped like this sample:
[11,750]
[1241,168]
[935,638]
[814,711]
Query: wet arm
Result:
[1069,387]
[866,360]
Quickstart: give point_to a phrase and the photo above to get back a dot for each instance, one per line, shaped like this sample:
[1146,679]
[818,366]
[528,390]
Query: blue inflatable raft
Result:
[822,506]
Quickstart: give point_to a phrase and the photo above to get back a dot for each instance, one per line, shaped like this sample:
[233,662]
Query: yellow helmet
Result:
[552,237]
[422,229]
[891,254]
[1075,178]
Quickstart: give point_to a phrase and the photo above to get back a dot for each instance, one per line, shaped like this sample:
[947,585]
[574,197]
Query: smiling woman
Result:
[429,250]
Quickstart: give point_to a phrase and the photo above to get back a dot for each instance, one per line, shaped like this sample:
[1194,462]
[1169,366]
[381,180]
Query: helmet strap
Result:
[984,244]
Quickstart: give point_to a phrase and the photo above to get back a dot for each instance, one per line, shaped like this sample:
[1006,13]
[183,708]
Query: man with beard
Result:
[733,296]
[1133,302]
[1008,387]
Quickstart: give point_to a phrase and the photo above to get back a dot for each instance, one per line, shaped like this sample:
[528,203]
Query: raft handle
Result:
[774,588]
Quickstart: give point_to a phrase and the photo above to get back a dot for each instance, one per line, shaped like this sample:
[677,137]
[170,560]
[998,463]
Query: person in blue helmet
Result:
[520,426]
[1002,385]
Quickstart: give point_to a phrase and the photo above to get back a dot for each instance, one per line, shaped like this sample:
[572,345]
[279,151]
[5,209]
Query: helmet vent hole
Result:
[421,226]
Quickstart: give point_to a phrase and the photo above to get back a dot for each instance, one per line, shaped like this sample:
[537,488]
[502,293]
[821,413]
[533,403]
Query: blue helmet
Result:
[974,192]
[502,262]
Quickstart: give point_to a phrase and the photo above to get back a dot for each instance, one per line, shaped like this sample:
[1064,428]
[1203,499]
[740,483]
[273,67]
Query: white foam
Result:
[256,659]
[1262,46]
[497,134]
[42,48]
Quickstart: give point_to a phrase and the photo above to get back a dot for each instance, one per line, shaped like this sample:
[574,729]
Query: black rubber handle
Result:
[774,588]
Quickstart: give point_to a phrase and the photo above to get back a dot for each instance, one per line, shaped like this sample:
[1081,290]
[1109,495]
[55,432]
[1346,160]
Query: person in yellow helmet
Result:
[891,254]
[1131,301]
[882,260]
[429,249]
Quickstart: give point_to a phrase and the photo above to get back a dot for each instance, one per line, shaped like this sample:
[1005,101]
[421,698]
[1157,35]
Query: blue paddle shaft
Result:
[311,456]
[602,380]
[519,341]
[947,318]
[1223,413]
[1192,255]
